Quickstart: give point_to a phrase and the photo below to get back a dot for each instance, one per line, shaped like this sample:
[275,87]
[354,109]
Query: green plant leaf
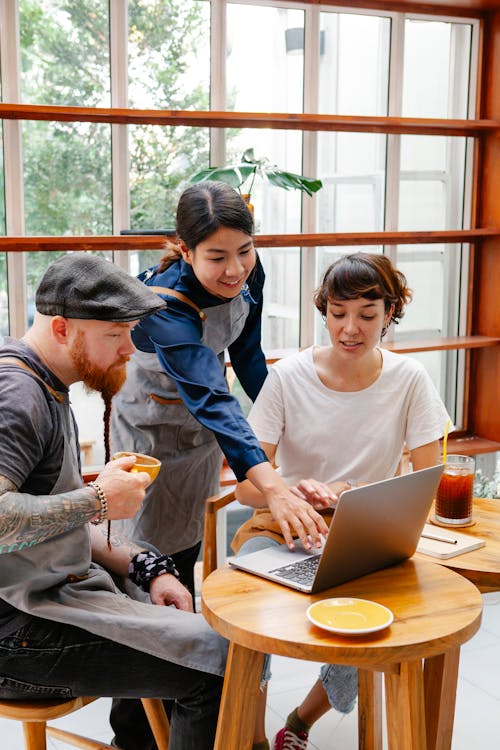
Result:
[234,175]
[291,181]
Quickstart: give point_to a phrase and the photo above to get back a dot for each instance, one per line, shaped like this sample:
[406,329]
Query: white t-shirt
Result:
[332,435]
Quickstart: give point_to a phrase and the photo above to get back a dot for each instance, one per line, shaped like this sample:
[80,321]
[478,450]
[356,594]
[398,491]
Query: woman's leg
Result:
[337,687]
[45,658]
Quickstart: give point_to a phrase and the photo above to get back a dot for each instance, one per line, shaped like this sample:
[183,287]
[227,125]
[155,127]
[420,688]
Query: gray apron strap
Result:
[19,363]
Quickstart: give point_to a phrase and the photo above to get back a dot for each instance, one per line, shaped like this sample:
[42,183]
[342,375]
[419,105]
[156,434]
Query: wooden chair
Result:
[212,506]
[34,716]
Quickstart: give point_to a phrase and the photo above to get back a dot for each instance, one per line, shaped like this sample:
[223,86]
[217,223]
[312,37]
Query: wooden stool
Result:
[35,714]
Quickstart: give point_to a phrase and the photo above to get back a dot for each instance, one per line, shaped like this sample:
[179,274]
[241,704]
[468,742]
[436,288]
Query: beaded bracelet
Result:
[101,496]
[145,566]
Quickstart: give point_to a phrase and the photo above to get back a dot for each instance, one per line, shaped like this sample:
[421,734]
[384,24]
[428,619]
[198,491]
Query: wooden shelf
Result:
[440,344]
[273,120]
[334,239]
[470,445]
[142,242]
[407,347]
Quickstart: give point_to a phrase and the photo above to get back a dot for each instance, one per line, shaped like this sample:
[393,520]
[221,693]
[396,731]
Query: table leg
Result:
[404,698]
[369,710]
[238,708]
[440,683]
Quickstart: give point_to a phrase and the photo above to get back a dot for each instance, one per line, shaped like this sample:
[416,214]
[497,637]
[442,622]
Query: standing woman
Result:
[176,403]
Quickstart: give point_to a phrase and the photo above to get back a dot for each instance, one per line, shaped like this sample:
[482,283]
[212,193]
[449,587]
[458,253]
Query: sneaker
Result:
[288,740]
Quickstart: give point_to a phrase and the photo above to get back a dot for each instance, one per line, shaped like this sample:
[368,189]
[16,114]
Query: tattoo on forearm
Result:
[26,520]
[118,540]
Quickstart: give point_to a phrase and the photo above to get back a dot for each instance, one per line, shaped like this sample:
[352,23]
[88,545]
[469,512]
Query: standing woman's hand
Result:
[296,517]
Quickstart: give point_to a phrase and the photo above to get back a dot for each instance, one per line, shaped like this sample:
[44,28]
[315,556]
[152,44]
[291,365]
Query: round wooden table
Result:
[481,566]
[435,611]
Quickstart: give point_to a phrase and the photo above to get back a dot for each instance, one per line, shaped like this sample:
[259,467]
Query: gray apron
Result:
[56,580]
[171,517]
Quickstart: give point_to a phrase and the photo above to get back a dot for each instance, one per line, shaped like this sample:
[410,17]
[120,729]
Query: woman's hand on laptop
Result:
[297,517]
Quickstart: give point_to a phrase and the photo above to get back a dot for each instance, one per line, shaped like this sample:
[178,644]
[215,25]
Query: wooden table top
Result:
[434,610]
[481,566]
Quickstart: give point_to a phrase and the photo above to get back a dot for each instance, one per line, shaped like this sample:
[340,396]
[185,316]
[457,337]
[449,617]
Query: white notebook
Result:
[458,544]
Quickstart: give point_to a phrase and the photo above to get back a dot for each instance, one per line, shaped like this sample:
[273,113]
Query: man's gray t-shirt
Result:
[31,438]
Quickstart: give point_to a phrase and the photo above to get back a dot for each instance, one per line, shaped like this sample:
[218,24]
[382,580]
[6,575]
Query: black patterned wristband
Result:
[146,565]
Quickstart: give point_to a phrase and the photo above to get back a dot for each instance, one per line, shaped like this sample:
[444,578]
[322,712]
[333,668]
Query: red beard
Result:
[107,382]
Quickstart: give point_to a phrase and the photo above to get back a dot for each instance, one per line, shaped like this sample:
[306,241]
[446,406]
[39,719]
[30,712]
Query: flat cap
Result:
[81,285]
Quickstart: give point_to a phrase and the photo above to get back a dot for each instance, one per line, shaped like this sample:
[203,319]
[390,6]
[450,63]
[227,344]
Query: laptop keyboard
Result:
[302,571]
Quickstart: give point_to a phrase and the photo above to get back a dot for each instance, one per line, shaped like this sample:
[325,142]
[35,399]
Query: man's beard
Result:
[106,382]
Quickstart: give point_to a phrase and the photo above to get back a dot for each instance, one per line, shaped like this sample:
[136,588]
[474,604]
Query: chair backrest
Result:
[212,506]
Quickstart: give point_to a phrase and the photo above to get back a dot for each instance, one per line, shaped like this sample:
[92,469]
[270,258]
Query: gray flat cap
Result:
[81,285]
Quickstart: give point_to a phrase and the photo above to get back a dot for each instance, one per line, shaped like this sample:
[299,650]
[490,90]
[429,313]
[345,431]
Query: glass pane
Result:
[354,64]
[250,87]
[280,322]
[169,54]
[65,52]
[426,269]
[352,168]
[431,183]
[161,160]
[67,178]
[169,68]
[436,69]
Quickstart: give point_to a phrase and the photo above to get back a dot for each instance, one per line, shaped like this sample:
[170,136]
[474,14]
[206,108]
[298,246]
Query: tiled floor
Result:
[477,722]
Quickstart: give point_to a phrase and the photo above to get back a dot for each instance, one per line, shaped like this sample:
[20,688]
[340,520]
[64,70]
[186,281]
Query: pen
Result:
[439,538]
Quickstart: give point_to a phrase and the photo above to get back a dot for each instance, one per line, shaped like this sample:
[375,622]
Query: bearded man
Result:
[65,628]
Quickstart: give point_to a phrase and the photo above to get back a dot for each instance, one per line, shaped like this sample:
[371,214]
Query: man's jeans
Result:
[340,681]
[46,659]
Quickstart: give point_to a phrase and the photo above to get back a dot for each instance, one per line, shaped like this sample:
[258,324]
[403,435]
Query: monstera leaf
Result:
[244,174]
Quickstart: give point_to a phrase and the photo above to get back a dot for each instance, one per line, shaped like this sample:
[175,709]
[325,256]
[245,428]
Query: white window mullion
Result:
[308,280]
[393,157]
[118,24]
[13,164]
[218,46]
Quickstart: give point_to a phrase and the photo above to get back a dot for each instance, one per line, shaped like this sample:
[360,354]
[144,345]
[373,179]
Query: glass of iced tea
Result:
[454,495]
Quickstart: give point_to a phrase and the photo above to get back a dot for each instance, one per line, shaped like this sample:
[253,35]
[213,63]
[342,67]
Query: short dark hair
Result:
[205,207]
[364,275]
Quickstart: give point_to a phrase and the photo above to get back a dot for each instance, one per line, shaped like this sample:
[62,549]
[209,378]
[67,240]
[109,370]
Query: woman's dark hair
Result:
[364,275]
[202,209]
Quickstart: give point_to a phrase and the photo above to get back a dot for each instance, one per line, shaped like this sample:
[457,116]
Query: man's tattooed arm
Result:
[122,549]
[26,520]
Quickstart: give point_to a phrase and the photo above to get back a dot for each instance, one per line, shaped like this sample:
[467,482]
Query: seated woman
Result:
[336,415]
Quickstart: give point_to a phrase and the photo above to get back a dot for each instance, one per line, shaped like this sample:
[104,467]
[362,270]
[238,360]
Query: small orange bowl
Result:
[142,463]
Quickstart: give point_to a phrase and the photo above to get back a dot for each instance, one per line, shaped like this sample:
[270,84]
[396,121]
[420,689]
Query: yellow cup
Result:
[142,463]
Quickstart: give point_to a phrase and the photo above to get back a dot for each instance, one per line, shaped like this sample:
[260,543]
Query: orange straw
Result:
[445,439]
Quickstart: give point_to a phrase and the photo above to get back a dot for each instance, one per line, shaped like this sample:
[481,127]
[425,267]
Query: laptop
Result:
[374,526]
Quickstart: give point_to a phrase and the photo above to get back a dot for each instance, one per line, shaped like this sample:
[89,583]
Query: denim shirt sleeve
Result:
[176,336]
[247,357]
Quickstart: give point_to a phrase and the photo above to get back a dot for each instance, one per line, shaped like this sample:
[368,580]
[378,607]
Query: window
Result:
[97,178]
